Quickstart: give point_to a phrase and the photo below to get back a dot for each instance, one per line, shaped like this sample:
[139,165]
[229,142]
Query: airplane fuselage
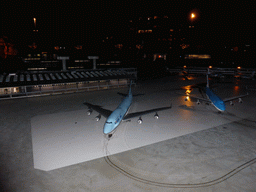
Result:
[117,115]
[217,102]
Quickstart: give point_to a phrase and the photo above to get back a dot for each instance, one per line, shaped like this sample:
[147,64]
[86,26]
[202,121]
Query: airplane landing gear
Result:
[110,135]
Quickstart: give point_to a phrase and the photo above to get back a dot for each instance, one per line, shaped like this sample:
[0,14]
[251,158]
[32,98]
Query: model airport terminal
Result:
[131,96]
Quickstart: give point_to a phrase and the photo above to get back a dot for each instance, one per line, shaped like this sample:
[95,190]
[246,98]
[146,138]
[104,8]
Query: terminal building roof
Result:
[55,77]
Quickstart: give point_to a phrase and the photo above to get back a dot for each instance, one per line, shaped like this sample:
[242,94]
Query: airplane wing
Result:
[236,97]
[138,114]
[122,94]
[99,109]
[134,95]
[200,99]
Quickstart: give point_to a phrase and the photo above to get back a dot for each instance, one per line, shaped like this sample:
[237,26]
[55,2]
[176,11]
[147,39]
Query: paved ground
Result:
[210,151]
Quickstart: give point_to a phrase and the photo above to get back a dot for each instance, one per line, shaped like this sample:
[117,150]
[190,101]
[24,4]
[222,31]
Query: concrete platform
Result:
[189,148]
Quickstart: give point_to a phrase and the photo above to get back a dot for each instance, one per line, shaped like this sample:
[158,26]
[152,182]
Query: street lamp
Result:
[192,16]
[34,22]
[35,30]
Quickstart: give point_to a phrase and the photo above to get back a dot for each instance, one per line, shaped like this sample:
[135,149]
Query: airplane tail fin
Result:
[129,93]
[130,90]
[207,77]
[253,73]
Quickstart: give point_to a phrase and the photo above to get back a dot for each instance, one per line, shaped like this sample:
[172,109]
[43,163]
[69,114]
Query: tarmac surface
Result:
[189,148]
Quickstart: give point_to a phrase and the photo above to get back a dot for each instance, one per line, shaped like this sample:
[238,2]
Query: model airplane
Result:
[214,100]
[115,117]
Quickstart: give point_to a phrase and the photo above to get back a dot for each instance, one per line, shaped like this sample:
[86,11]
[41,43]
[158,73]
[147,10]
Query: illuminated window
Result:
[171,30]
[119,46]
[139,46]
[194,56]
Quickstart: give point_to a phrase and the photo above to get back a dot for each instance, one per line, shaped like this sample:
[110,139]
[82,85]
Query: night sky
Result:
[79,22]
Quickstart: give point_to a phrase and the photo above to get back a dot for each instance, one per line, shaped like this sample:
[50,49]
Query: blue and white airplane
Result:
[115,117]
[214,100]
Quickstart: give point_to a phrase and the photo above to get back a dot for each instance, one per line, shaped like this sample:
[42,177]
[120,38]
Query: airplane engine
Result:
[140,120]
[156,116]
[198,102]
[89,112]
[97,118]
[240,100]
[231,103]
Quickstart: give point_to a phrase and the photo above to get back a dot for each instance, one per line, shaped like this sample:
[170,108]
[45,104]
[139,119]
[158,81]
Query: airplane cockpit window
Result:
[109,122]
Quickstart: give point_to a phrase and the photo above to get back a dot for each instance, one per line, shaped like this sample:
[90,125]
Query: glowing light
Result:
[184,66]
[210,67]
[238,67]
[236,88]
[34,21]
[193,15]
[187,93]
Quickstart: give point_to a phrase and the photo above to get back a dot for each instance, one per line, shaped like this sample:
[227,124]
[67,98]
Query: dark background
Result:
[85,22]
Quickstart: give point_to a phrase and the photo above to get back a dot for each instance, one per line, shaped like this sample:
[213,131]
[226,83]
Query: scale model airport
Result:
[190,140]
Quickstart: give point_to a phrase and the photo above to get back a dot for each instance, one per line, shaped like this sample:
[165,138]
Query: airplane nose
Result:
[222,107]
[106,129]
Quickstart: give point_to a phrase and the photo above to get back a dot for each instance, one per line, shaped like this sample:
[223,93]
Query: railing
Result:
[203,70]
